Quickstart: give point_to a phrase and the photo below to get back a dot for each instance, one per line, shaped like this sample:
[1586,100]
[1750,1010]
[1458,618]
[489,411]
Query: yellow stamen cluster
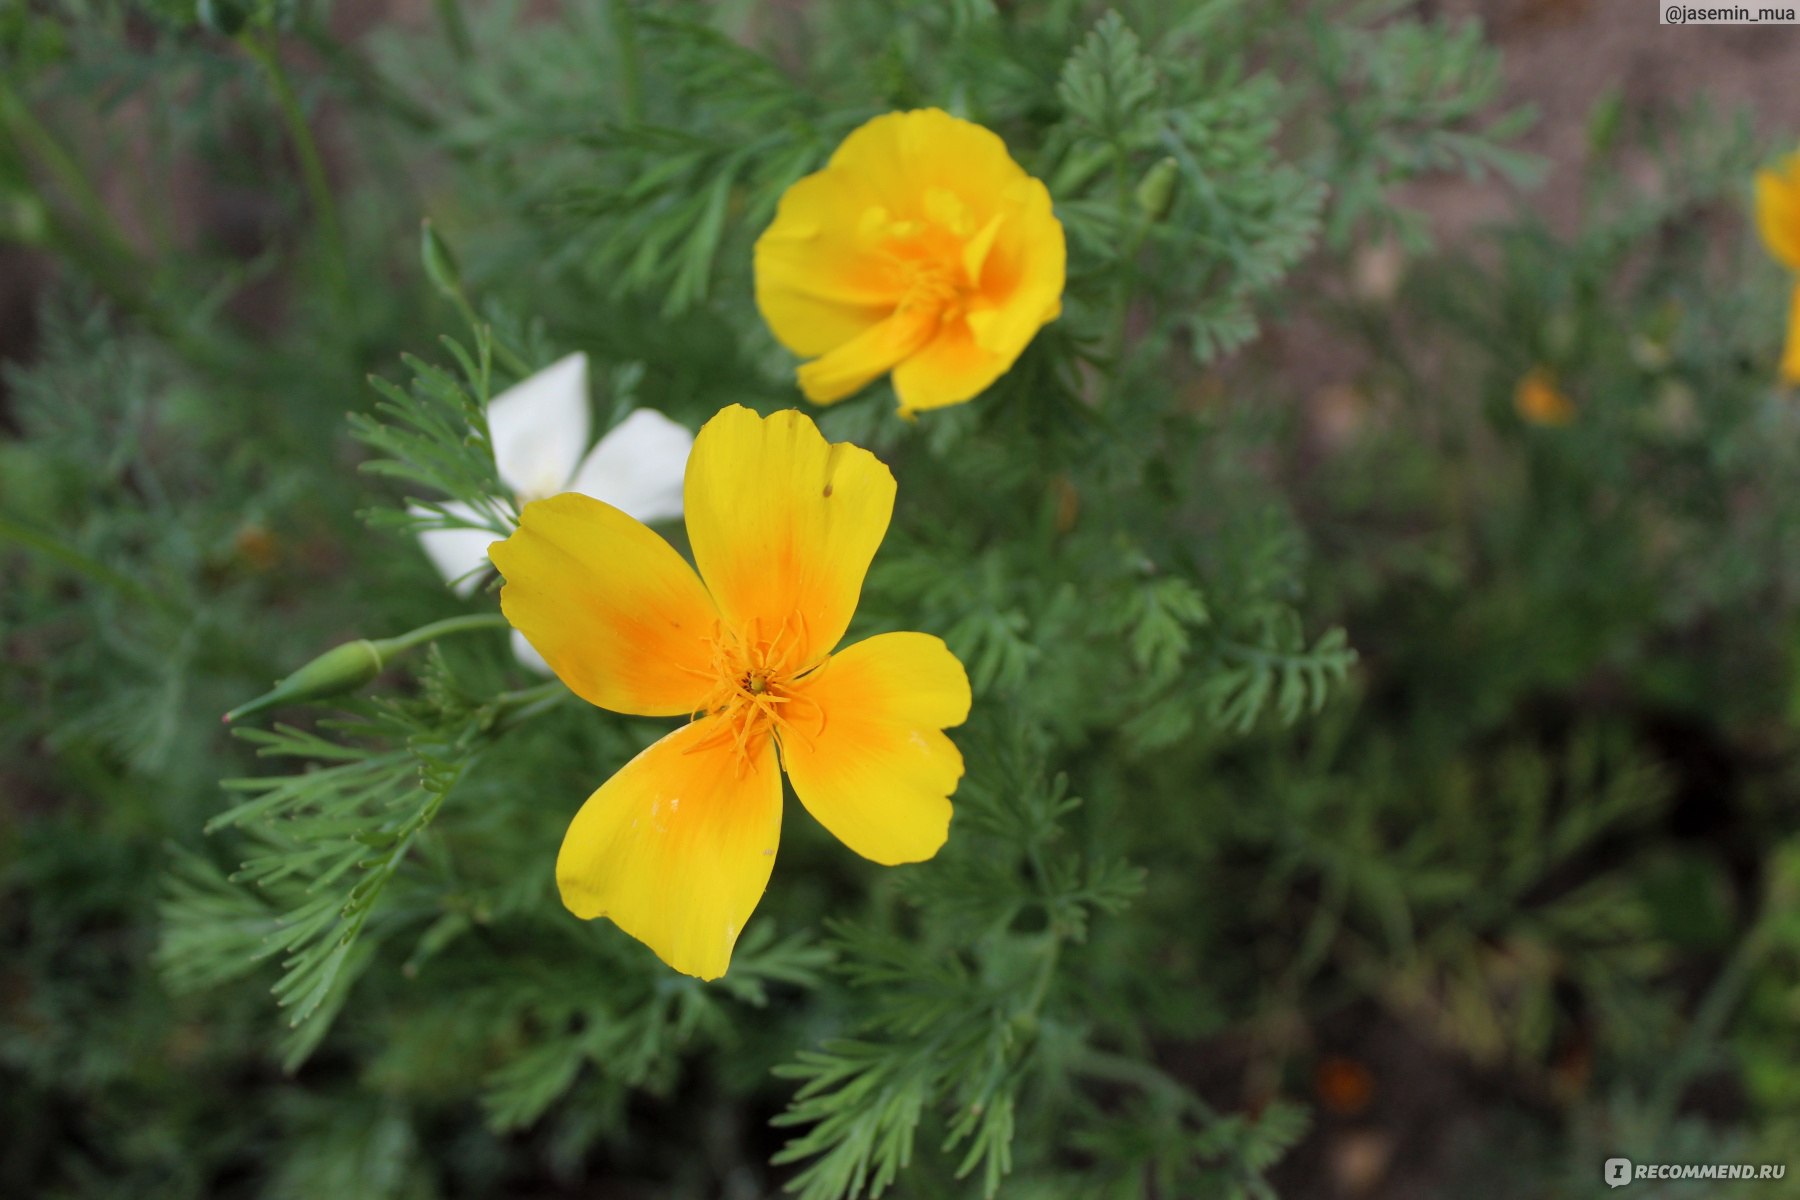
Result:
[753,684]
[936,260]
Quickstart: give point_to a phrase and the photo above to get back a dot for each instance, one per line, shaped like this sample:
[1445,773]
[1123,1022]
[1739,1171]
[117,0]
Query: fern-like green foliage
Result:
[435,436]
[326,841]
[1270,738]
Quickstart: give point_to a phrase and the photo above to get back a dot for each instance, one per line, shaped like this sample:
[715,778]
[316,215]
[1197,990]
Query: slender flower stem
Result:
[1710,1020]
[506,354]
[1118,1068]
[1046,974]
[347,63]
[631,85]
[1053,940]
[517,707]
[438,629]
[1133,227]
[31,135]
[263,51]
[456,28]
[350,666]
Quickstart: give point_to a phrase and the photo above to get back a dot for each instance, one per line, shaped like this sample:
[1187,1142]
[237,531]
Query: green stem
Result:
[312,165]
[456,28]
[631,83]
[31,134]
[1040,988]
[1709,1022]
[368,80]
[517,707]
[1133,232]
[1117,1068]
[74,559]
[506,354]
[1046,973]
[350,666]
[437,629]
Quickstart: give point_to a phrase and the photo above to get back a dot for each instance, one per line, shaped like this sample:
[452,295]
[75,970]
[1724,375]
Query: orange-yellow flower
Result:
[677,847]
[1540,401]
[1778,218]
[922,249]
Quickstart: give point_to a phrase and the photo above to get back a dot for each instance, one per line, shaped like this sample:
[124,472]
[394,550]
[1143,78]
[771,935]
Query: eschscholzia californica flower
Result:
[676,848]
[1539,401]
[1778,219]
[922,249]
[539,428]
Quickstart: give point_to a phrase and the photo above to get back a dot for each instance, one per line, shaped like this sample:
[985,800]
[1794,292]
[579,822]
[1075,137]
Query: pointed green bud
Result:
[1156,191]
[349,666]
[341,669]
[440,264]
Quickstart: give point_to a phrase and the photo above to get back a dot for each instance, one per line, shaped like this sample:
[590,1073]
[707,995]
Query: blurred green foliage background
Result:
[1373,791]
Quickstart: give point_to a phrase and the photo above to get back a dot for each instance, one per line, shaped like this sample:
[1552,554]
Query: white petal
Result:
[528,655]
[540,426]
[458,554]
[638,467]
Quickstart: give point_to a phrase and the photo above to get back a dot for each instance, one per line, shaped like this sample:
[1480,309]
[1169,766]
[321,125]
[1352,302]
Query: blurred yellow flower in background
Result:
[921,249]
[1778,219]
[676,848]
[1540,401]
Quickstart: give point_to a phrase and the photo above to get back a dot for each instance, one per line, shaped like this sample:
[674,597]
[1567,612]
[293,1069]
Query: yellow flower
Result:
[1540,401]
[677,847]
[923,249]
[1778,219]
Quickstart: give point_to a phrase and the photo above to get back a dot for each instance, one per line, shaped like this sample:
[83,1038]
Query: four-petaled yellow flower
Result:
[1778,217]
[922,249]
[677,847]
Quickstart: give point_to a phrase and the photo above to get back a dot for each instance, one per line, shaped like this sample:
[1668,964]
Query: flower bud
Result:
[341,669]
[1156,191]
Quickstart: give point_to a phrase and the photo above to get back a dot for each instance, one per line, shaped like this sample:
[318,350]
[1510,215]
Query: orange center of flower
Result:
[935,259]
[754,689]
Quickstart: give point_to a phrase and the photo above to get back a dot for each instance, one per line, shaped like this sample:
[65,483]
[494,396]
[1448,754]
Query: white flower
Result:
[539,428]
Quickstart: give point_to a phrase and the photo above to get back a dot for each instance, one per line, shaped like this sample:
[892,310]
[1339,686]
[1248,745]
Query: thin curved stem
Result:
[312,164]
[438,629]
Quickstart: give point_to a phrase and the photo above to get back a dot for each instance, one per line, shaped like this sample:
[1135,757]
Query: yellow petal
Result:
[851,367]
[816,283]
[949,369]
[677,847]
[877,770]
[611,606]
[783,525]
[975,251]
[903,157]
[1778,210]
[1790,361]
[1022,278]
